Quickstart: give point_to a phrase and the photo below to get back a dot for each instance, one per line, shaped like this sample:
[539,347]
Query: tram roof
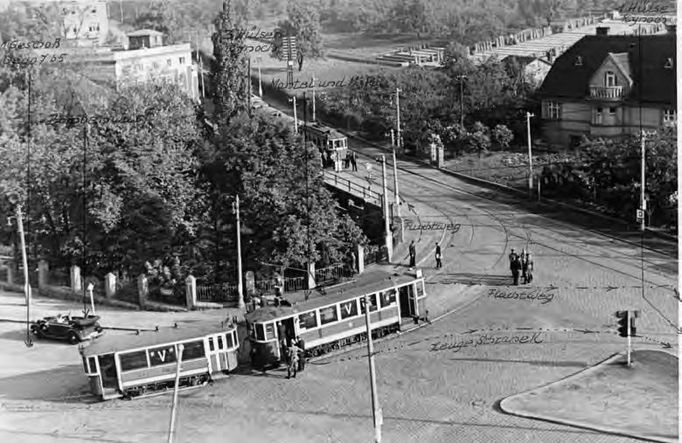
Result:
[374,281]
[333,133]
[109,343]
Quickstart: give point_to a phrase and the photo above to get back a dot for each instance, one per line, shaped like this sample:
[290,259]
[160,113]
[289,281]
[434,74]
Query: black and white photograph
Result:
[339,221]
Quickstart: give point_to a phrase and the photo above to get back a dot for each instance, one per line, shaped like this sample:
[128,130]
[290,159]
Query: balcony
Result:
[607,93]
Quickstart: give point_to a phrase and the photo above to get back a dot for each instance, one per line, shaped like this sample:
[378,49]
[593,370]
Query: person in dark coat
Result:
[301,355]
[439,262]
[516,269]
[413,255]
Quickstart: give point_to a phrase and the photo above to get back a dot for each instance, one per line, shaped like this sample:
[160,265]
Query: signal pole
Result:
[240,286]
[530,154]
[376,412]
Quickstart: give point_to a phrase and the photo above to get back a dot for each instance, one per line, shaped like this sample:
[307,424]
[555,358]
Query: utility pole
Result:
[397,112]
[461,99]
[314,97]
[240,287]
[260,84]
[27,283]
[401,231]
[530,154]
[376,412]
[642,197]
[295,118]
[387,228]
[175,394]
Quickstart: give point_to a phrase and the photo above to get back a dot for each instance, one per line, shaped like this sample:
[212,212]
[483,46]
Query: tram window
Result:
[270,331]
[328,315]
[260,332]
[387,298]
[228,341]
[93,365]
[133,360]
[372,304]
[211,346]
[162,355]
[349,309]
[193,349]
[307,320]
[220,343]
[85,365]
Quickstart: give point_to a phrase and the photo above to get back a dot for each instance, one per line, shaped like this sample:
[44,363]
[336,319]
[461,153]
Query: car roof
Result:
[109,343]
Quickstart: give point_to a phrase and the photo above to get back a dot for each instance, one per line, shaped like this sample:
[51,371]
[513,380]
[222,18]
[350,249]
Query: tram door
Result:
[408,301]
[107,370]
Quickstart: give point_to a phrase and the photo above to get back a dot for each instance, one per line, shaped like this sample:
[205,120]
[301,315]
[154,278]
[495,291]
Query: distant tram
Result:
[329,141]
[336,319]
[130,365]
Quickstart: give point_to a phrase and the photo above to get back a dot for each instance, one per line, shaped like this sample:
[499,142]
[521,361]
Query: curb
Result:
[546,202]
[584,372]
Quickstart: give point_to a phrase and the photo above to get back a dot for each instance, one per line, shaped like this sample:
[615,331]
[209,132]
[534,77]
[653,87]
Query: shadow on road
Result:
[64,384]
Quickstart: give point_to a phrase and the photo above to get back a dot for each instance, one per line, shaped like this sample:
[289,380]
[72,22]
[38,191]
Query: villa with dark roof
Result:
[609,86]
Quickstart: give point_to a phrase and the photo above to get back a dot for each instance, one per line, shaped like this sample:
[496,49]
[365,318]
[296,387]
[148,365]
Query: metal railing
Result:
[217,293]
[356,189]
[332,274]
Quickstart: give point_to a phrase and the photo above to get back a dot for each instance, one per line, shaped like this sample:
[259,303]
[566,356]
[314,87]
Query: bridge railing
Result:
[356,189]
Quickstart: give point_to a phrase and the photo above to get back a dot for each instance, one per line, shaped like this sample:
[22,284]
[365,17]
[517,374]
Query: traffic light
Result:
[625,317]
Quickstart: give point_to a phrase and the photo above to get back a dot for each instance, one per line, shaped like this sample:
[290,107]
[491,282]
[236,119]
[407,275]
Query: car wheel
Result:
[37,332]
[73,338]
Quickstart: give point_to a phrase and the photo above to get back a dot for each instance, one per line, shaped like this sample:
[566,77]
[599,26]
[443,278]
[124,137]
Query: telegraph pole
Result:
[376,412]
[530,154]
[397,112]
[387,228]
[175,394]
[240,287]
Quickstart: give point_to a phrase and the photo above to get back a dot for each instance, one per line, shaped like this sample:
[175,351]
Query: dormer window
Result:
[610,78]
[669,63]
[579,60]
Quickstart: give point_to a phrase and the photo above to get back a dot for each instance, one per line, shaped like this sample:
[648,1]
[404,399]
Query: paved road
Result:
[427,395]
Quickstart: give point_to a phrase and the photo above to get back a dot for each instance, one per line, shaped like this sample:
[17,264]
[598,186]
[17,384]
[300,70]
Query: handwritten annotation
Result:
[30,61]
[55,119]
[411,226]
[484,340]
[533,294]
[355,81]
[644,12]
[33,44]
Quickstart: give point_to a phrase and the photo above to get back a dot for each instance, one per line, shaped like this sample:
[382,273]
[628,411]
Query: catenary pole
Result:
[372,376]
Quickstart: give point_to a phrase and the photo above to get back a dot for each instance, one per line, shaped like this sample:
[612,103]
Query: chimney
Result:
[671,28]
[602,30]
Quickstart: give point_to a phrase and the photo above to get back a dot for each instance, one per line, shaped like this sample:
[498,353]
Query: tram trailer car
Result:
[133,365]
[337,319]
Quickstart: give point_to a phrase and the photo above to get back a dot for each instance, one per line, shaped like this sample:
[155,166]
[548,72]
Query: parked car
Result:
[65,327]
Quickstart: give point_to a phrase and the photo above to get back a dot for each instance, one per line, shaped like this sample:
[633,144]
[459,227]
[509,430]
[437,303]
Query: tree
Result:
[479,138]
[230,70]
[502,136]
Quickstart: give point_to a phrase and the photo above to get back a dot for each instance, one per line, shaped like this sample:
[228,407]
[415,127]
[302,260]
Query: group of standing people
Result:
[351,161]
[412,252]
[521,265]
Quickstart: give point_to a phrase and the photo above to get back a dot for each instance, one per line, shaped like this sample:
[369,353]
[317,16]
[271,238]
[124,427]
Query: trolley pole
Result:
[376,412]
[175,394]
[530,154]
[240,286]
[27,283]
[387,227]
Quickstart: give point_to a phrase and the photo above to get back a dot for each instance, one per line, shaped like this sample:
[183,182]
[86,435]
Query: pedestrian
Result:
[513,258]
[292,360]
[516,269]
[524,268]
[439,263]
[354,161]
[529,267]
[301,355]
[413,255]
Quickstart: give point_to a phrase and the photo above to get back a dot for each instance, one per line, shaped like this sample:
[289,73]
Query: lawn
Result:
[640,401]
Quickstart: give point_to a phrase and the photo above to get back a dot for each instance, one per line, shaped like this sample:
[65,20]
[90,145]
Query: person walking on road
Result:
[439,262]
[413,255]
[292,362]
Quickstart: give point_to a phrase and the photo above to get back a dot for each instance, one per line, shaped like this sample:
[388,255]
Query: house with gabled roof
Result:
[609,86]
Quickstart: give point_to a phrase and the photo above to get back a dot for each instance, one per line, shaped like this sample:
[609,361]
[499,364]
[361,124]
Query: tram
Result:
[331,143]
[335,320]
[134,365]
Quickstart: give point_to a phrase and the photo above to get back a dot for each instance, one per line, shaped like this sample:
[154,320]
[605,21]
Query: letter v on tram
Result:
[130,365]
[337,319]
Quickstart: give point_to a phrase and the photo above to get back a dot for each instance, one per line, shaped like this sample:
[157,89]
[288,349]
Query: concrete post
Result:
[142,290]
[361,258]
[191,292]
[110,285]
[43,272]
[311,276]
[76,283]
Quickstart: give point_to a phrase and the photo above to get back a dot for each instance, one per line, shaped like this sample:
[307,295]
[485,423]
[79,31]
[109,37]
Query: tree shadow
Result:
[64,384]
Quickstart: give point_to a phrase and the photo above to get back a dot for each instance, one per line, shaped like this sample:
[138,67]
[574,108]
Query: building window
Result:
[610,79]
[182,60]
[579,60]
[669,63]
[669,116]
[612,112]
[597,116]
[553,110]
